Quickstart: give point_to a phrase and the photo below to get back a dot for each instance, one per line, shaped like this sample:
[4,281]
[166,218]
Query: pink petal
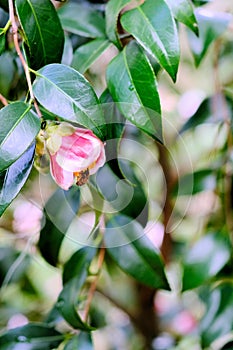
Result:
[99,162]
[63,178]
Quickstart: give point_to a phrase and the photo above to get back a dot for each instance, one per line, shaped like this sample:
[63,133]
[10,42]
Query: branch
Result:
[3,100]
[94,283]
[21,57]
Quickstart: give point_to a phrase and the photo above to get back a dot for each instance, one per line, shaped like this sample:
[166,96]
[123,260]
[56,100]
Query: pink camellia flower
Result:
[75,153]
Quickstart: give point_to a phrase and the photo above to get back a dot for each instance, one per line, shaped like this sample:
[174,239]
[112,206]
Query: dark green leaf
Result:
[115,123]
[134,253]
[10,265]
[43,32]
[18,128]
[66,93]
[2,40]
[218,318]
[74,266]
[211,26]
[183,12]
[13,178]
[60,210]
[7,72]
[124,195]
[112,10]
[127,75]
[205,259]
[211,110]
[4,4]
[82,341]
[86,54]
[68,298]
[82,20]
[192,183]
[31,337]
[154,28]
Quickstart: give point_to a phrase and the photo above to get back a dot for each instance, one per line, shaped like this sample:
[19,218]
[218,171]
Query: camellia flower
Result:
[75,153]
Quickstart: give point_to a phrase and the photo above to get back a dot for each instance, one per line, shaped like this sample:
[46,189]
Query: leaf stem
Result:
[94,283]
[21,57]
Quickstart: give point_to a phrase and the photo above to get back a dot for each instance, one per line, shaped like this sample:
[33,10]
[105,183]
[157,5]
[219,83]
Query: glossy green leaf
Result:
[123,195]
[68,298]
[66,93]
[18,129]
[33,336]
[217,320]
[211,110]
[9,269]
[193,183]
[82,20]
[211,25]
[13,178]
[183,12]
[60,210]
[41,27]
[127,75]
[134,253]
[154,28]
[82,341]
[86,54]
[112,11]
[205,259]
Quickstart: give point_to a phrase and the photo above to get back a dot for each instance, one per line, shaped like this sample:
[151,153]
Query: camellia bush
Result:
[116,175]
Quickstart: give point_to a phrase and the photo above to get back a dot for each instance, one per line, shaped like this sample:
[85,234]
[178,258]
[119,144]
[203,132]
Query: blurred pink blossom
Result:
[183,323]
[17,320]
[155,232]
[27,218]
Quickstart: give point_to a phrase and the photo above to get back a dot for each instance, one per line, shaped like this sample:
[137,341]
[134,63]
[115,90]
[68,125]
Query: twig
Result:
[3,100]
[94,283]
[17,48]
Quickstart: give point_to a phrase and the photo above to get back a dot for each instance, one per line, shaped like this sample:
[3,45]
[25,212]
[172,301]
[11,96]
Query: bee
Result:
[82,177]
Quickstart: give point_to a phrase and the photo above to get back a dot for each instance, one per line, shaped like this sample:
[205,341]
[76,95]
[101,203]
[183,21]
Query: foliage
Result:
[147,241]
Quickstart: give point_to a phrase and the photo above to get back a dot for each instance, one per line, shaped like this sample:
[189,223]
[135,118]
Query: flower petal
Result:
[63,178]
[99,162]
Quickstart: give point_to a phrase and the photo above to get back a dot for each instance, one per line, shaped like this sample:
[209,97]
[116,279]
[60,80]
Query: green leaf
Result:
[2,40]
[13,178]
[211,26]
[123,195]
[12,265]
[7,72]
[4,5]
[66,93]
[209,111]
[82,341]
[127,75]
[193,183]
[205,259]
[42,30]
[68,298]
[86,54]
[134,253]
[218,318]
[67,55]
[60,210]
[112,10]
[74,266]
[183,12]
[154,28]
[31,337]
[82,20]
[18,129]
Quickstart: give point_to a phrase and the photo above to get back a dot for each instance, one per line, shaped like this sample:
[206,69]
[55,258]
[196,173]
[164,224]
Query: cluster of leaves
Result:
[146,40]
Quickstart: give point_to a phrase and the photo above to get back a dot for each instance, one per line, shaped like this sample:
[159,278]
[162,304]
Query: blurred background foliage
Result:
[184,186]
